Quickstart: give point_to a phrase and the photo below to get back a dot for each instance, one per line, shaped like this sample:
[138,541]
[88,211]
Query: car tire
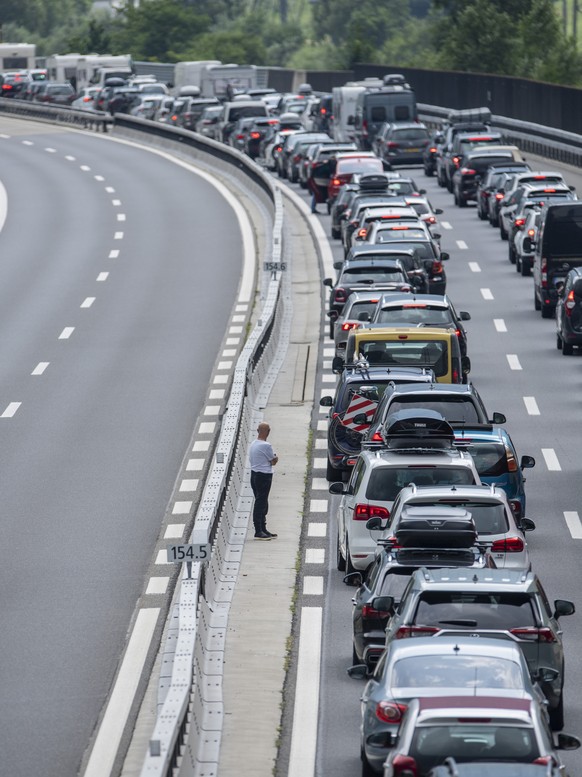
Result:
[302,184]
[462,202]
[336,233]
[480,214]
[518,264]
[455,198]
[494,222]
[567,348]
[525,269]
[367,770]
[511,253]
[349,566]
[340,560]
[331,328]
[355,658]
[558,342]
[502,233]
[537,303]
[547,312]
[557,715]
[428,173]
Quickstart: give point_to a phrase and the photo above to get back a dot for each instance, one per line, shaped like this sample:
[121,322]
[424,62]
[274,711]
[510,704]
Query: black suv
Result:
[371,382]
[569,312]
[457,403]
[492,181]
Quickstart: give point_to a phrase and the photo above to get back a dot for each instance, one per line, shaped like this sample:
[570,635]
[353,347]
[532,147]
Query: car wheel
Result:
[517,263]
[462,202]
[331,328]
[502,231]
[328,205]
[558,342]
[511,254]
[525,269]
[480,214]
[340,560]
[455,198]
[367,770]
[449,185]
[557,715]
[355,658]
[494,222]
[567,348]
[335,233]
[537,303]
[349,566]
[547,311]
[302,184]
[428,172]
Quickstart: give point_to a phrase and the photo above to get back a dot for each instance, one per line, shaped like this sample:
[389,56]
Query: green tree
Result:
[228,46]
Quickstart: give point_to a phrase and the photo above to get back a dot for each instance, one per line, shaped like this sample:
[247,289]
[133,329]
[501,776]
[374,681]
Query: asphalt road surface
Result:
[119,272]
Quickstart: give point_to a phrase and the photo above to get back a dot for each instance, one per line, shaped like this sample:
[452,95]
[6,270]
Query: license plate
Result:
[412,150]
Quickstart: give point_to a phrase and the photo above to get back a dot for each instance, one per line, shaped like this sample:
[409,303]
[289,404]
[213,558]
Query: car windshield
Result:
[456,671]
[489,517]
[432,744]
[454,408]
[468,610]
[407,353]
[415,313]
[385,482]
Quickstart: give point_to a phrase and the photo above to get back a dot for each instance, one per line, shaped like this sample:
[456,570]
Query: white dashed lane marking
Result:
[40,368]
[551,460]
[27,143]
[474,267]
[118,236]
[66,333]
[70,158]
[110,190]
[114,253]
[446,225]
[102,276]
[99,178]
[87,302]
[531,405]
[51,150]
[121,216]
[11,410]
[513,361]
[487,294]
[462,245]
[85,168]
[116,203]
[573,523]
[499,324]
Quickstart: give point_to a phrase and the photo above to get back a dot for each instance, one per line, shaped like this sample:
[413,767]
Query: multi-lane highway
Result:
[119,273]
[518,371]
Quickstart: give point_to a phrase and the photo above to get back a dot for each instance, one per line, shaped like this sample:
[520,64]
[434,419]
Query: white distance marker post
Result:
[188,553]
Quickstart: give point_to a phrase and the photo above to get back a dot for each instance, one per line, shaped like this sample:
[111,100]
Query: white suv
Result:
[420,451]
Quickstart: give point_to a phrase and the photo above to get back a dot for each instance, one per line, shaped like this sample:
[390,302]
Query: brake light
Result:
[531,232]
[174,117]
[404,766]
[534,635]
[322,111]
[431,220]
[390,712]
[544,760]
[508,545]
[515,505]
[369,612]
[437,267]
[570,303]
[456,160]
[391,144]
[297,158]
[544,273]
[362,232]
[415,631]
[87,99]
[376,437]
[512,465]
[255,135]
[432,150]
[456,375]
[278,148]
[499,196]
[364,512]
[340,295]
[399,228]
[550,191]
[240,137]
[347,325]
[519,222]
[6,86]
[467,171]
[336,182]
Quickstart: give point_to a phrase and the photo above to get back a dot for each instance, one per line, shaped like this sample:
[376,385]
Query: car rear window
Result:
[455,409]
[466,610]
[249,110]
[410,134]
[367,164]
[387,235]
[385,482]
[371,275]
[412,315]
[373,390]
[481,163]
[490,458]
[432,744]
[456,671]
[401,187]
[422,248]
[407,353]
[359,308]
[489,517]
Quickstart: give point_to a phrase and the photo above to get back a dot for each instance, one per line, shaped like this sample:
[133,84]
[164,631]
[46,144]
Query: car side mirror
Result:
[498,418]
[563,607]
[337,265]
[374,524]
[527,462]
[383,604]
[572,188]
[328,282]
[444,256]
[337,364]
[338,488]
[527,244]
[438,211]
[326,401]
[567,742]
[422,191]
[546,675]
[358,672]
[360,419]
[437,235]
[464,316]
[465,365]
[353,578]
[526,524]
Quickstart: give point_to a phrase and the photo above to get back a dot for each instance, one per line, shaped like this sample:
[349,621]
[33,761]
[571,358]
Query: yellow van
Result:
[431,347]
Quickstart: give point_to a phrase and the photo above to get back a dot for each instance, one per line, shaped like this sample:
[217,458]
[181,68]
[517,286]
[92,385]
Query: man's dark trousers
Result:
[261,485]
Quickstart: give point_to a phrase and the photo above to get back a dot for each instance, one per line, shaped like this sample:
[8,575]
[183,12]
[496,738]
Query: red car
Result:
[346,166]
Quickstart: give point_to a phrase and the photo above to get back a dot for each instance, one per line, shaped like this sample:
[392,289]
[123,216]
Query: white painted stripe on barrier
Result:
[207,427]
[319,484]
[317,530]
[315,556]
[157,585]
[113,724]
[318,506]
[312,585]
[229,352]
[216,394]
[201,445]
[188,485]
[181,508]
[322,425]
[220,379]
[320,463]
[162,557]
[320,444]
[195,465]
[174,531]
[306,707]
[211,410]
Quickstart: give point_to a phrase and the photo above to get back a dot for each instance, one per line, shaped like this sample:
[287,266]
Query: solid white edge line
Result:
[306,708]
[112,726]
[574,524]
[3,205]
[247,282]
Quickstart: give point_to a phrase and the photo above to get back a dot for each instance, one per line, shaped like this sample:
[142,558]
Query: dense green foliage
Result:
[510,37]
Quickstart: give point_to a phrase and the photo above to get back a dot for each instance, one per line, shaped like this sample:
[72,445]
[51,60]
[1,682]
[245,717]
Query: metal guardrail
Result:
[93,120]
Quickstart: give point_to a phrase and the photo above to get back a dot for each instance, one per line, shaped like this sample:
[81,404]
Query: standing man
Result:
[262,459]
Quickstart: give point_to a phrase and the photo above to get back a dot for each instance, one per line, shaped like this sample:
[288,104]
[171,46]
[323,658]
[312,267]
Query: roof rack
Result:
[407,428]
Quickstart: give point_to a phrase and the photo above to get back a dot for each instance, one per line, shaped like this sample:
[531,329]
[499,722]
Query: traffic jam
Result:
[456,649]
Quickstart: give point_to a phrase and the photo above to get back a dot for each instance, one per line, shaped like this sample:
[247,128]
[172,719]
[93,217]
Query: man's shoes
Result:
[263,535]
[314,210]
[270,535]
